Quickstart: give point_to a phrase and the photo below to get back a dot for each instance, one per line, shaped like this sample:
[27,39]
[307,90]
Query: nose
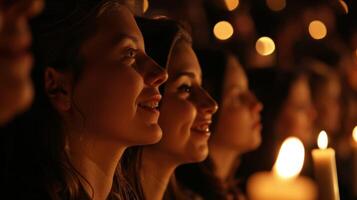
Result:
[205,103]
[256,105]
[155,75]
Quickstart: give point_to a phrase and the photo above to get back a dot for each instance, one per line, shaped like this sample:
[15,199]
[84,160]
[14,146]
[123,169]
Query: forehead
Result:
[118,20]
[300,89]
[234,75]
[183,59]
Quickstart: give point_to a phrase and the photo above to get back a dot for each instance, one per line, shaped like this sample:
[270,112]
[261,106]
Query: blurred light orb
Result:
[145,5]
[317,29]
[276,5]
[265,46]
[223,30]
[344,6]
[231,4]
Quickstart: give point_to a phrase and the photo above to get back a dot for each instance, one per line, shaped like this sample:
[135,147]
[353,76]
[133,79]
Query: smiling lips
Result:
[152,104]
[203,127]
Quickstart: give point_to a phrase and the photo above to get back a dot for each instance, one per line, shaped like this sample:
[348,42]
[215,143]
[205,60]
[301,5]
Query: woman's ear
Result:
[58,89]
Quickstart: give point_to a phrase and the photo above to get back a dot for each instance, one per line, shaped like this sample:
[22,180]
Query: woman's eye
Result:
[129,56]
[130,53]
[185,88]
[244,97]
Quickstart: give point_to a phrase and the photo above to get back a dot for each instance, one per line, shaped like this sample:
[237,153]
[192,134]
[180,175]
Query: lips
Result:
[257,124]
[202,127]
[151,103]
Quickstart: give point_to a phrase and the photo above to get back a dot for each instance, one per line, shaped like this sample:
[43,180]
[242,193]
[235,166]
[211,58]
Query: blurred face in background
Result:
[297,114]
[186,109]
[16,90]
[238,126]
[327,104]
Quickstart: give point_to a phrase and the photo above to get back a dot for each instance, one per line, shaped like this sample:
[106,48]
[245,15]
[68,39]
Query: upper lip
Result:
[202,124]
[152,101]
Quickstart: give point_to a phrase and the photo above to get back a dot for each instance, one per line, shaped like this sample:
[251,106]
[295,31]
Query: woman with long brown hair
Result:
[97,94]
[186,112]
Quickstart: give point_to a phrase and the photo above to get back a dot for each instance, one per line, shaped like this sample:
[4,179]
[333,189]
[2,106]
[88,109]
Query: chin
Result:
[199,155]
[151,135]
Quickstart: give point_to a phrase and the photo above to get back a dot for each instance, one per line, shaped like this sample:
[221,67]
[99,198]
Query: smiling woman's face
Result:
[186,108]
[116,96]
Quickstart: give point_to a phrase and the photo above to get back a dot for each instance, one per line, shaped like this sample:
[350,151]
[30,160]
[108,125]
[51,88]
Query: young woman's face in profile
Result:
[186,108]
[16,91]
[117,94]
[238,125]
[327,103]
[298,114]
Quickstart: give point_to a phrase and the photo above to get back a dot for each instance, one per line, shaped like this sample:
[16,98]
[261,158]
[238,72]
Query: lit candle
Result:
[283,183]
[325,169]
[354,136]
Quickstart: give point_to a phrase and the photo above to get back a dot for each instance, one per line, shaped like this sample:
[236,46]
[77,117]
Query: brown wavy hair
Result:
[167,33]
[36,158]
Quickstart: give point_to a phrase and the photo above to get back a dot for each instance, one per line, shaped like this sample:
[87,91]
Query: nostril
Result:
[159,76]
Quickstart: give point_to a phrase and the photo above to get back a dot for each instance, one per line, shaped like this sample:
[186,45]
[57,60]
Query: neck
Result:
[224,159]
[96,160]
[155,174]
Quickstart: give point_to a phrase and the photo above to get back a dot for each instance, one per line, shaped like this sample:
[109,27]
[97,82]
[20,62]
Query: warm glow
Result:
[317,29]
[276,5]
[231,4]
[145,5]
[322,140]
[354,134]
[223,30]
[290,159]
[344,6]
[265,46]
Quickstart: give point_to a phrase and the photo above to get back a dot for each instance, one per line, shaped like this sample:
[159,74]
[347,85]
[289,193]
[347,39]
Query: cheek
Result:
[295,123]
[108,102]
[234,120]
[176,119]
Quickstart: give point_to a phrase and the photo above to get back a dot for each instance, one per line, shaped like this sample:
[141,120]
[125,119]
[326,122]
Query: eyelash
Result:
[130,53]
[185,88]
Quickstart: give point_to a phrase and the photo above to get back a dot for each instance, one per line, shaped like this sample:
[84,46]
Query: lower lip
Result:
[202,133]
[151,110]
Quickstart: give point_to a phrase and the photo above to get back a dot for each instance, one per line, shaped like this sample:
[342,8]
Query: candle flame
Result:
[290,159]
[354,134]
[322,140]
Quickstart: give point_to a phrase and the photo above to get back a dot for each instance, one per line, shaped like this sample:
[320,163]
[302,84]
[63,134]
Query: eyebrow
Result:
[118,39]
[191,75]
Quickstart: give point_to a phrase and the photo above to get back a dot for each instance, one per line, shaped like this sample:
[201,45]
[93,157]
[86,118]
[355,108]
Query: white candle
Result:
[325,169]
[354,136]
[283,183]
